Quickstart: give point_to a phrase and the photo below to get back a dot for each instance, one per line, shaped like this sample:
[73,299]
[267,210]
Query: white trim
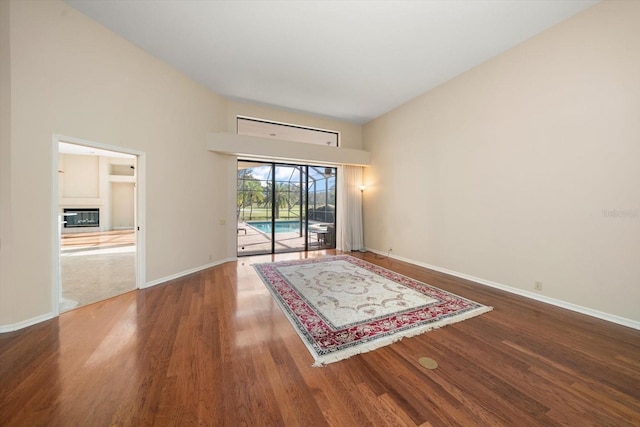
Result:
[51,315]
[87,143]
[55,232]
[558,303]
[26,323]
[187,272]
[232,217]
[139,217]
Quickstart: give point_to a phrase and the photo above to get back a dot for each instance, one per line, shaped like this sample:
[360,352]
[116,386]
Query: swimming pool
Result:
[281,226]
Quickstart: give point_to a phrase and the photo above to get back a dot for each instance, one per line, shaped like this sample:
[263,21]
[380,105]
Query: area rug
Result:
[342,306]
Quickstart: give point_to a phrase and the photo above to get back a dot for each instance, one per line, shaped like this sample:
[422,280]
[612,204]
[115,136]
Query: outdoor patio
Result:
[251,241]
[295,195]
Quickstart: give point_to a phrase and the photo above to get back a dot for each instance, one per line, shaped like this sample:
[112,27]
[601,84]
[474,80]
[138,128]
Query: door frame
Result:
[274,163]
[139,213]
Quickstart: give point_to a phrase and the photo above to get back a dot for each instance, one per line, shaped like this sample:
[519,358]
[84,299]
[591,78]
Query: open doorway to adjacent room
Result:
[96,208]
[285,207]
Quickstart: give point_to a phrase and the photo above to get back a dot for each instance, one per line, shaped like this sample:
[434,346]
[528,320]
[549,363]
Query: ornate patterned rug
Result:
[342,306]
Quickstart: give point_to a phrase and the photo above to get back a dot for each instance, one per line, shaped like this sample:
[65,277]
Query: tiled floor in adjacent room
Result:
[96,266]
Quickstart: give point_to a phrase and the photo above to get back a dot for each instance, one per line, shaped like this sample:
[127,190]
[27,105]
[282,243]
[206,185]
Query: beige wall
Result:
[522,169]
[122,208]
[525,168]
[79,176]
[71,76]
[5,157]
[64,74]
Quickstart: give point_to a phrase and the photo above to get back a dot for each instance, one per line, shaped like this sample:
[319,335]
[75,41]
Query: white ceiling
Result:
[351,60]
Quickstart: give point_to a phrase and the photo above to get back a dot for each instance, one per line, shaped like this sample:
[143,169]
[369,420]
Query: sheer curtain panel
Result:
[351,203]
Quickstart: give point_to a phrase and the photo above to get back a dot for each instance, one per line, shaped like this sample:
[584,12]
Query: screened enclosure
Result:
[285,207]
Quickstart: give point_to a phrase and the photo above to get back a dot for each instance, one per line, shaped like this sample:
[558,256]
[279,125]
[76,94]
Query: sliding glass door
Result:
[321,191]
[290,208]
[285,207]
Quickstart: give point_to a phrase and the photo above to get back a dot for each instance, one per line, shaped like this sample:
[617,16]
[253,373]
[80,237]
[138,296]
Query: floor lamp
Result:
[362,188]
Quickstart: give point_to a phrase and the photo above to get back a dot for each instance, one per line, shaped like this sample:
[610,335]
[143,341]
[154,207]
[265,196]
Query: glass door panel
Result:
[253,211]
[321,196]
[285,208]
[290,213]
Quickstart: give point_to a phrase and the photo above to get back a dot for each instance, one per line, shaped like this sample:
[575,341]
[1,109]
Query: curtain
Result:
[351,232]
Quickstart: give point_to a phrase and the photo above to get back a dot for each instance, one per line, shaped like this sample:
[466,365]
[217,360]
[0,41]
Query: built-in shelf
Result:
[122,178]
[121,170]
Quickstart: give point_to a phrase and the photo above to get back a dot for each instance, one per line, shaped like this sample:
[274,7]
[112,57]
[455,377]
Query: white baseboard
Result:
[558,303]
[26,323]
[48,316]
[186,272]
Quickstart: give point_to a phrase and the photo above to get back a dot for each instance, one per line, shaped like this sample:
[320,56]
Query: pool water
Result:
[281,226]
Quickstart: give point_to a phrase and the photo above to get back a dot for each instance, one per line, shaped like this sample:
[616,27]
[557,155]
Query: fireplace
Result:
[85,217]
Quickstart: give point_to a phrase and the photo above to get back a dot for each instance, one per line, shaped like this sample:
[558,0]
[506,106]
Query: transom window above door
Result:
[267,129]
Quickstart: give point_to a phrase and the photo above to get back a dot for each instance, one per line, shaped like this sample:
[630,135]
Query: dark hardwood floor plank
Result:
[213,348]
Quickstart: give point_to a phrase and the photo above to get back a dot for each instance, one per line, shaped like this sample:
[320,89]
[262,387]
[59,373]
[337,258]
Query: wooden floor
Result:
[214,349]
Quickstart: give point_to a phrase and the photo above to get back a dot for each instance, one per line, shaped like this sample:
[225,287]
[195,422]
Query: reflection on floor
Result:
[96,266]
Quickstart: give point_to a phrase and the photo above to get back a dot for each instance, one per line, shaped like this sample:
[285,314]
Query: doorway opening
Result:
[97,213]
[285,207]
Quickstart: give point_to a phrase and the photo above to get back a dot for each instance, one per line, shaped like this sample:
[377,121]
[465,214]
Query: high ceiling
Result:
[351,60]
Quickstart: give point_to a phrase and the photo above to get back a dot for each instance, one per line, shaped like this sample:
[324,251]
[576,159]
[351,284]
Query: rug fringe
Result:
[339,355]
[363,346]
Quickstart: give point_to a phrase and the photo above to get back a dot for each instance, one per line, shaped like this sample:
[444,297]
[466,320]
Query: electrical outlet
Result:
[537,286]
